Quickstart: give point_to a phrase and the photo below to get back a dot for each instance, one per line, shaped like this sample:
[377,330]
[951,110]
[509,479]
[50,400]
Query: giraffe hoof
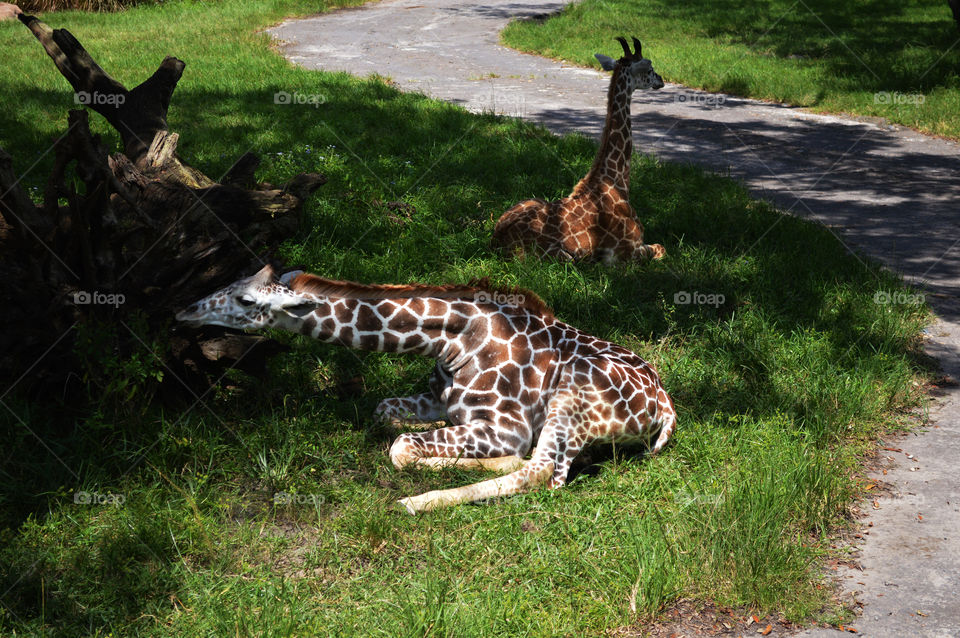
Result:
[407,505]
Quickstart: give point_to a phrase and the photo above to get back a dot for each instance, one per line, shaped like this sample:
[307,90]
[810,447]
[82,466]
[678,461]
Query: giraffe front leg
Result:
[474,446]
[548,466]
[428,407]
[522,480]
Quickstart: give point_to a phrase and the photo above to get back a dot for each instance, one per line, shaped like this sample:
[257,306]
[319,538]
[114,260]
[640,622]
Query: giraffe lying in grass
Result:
[596,220]
[509,376]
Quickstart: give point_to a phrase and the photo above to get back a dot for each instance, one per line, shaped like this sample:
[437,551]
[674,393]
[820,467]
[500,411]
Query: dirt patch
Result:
[693,618]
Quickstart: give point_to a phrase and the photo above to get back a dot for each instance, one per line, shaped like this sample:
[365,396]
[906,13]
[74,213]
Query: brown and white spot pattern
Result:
[511,379]
[596,220]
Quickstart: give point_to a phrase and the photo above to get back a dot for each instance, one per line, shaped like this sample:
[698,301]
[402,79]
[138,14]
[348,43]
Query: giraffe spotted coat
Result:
[596,220]
[510,378]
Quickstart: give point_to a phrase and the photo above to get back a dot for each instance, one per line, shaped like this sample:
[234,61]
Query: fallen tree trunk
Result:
[121,242]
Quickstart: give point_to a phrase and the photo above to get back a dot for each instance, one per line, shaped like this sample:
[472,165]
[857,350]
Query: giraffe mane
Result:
[317,285]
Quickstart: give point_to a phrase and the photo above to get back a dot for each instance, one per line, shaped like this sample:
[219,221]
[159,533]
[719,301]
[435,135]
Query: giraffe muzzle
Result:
[189,315]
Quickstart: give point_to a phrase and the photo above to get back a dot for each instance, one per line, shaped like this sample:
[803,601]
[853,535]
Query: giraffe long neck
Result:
[612,164]
[426,326]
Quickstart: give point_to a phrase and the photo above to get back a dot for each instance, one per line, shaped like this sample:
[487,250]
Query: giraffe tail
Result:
[667,427]
[523,480]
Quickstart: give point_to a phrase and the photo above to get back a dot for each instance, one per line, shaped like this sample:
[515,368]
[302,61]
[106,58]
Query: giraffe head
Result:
[254,302]
[632,70]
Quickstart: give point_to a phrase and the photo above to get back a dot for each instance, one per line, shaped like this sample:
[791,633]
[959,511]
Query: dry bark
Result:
[127,239]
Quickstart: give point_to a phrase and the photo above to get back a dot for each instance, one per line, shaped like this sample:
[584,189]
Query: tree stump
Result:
[122,241]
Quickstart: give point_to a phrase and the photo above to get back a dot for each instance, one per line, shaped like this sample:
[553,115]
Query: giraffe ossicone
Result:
[596,220]
[510,378]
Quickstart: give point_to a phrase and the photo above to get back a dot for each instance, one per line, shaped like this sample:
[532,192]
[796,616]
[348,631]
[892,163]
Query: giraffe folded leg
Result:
[501,464]
[478,446]
[420,408]
[649,251]
[414,424]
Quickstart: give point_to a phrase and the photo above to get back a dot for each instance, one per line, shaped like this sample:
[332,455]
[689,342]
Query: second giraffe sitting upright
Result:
[596,220]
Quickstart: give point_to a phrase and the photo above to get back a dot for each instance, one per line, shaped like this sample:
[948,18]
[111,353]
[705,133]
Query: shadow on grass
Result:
[457,171]
[876,187]
[879,45]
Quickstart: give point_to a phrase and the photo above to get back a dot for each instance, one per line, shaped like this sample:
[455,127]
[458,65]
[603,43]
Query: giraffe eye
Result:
[245,301]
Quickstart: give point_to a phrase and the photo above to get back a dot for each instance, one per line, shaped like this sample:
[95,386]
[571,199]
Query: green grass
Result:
[42,6]
[881,58]
[778,388]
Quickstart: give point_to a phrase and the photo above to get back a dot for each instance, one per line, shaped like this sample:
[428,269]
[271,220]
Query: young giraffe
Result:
[508,373]
[596,219]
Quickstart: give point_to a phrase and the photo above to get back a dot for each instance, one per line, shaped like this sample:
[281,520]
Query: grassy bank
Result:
[268,507]
[872,58]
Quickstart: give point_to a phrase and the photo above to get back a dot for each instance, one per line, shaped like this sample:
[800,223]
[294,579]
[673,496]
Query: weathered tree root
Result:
[126,240]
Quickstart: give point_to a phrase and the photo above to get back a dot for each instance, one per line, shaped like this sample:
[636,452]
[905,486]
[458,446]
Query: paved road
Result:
[886,191]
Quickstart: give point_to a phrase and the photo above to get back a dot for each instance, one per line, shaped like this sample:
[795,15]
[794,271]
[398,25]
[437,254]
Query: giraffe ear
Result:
[265,275]
[287,277]
[605,61]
